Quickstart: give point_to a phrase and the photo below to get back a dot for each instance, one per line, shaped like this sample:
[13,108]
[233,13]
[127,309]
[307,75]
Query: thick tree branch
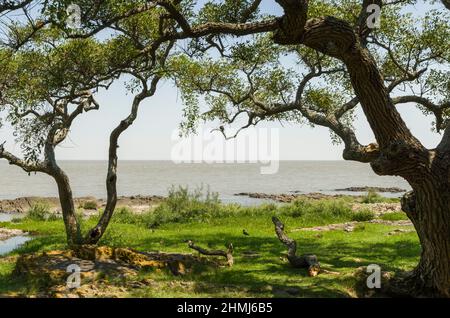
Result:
[16,161]
[308,261]
[436,109]
[363,29]
[228,254]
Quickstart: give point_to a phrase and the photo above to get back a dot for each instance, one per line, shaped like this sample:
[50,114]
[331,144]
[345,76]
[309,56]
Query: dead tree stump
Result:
[228,254]
[308,261]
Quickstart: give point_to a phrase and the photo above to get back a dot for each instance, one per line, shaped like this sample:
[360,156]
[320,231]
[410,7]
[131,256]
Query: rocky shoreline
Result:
[8,233]
[376,189]
[286,198]
[137,203]
[142,203]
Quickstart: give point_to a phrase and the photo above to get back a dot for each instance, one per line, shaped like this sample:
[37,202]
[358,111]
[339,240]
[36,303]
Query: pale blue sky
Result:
[150,137]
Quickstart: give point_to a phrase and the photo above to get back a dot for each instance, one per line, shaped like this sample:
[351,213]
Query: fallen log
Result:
[228,254]
[308,261]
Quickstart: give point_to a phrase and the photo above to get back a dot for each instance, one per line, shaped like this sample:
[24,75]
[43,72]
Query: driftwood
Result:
[308,261]
[228,254]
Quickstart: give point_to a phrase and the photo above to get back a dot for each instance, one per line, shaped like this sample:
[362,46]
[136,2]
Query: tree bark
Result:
[428,207]
[68,208]
[52,168]
[228,254]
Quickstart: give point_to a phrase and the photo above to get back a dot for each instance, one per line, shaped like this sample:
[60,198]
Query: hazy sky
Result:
[150,137]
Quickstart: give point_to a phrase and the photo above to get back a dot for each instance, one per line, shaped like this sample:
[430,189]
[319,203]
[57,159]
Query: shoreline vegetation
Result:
[141,203]
[150,253]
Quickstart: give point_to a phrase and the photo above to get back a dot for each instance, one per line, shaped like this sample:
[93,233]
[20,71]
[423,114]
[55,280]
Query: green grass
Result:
[394,216]
[266,275]
[375,197]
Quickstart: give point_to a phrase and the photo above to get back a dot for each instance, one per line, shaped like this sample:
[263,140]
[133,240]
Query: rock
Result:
[348,228]
[8,233]
[378,208]
[376,189]
[394,223]
[139,203]
[286,198]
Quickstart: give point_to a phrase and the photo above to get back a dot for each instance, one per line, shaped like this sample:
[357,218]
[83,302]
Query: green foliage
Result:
[182,205]
[394,216]
[126,216]
[316,209]
[90,205]
[363,215]
[40,211]
[372,197]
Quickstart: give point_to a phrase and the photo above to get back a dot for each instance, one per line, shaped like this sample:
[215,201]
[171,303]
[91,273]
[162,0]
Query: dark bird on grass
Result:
[244,231]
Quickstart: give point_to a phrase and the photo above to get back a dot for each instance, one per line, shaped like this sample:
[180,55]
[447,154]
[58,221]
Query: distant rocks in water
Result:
[266,196]
[286,198]
[376,189]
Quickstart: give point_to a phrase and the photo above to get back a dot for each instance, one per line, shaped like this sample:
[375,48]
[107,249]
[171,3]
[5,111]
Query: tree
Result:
[346,65]
[367,68]
[50,79]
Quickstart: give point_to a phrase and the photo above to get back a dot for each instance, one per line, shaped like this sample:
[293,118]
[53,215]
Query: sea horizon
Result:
[156,177]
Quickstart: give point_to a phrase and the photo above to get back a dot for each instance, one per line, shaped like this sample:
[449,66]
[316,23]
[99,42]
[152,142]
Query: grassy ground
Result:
[213,225]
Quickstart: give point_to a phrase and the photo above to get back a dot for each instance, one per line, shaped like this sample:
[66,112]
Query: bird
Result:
[244,231]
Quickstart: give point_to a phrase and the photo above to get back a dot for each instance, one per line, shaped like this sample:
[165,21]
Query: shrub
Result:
[125,215]
[317,212]
[182,205]
[372,197]
[39,211]
[296,208]
[363,215]
[90,205]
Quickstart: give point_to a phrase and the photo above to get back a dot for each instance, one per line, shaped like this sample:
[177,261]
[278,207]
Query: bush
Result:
[363,215]
[182,205]
[90,205]
[394,216]
[125,215]
[296,208]
[317,211]
[39,211]
[372,197]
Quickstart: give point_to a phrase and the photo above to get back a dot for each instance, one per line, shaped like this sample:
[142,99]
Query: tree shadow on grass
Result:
[267,274]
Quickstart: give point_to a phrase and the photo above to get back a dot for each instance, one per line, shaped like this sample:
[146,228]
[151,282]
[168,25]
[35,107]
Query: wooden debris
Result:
[308,261]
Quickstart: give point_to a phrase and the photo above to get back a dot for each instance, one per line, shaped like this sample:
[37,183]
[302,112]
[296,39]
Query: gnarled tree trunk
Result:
[428,207]
[397,151]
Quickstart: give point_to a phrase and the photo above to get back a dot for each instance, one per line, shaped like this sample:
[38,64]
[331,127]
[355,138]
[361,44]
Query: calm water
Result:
[155,177]
[12,243]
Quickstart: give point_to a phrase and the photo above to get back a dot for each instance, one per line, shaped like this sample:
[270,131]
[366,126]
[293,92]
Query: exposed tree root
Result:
[410,284]
[308,261]
[228,254]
